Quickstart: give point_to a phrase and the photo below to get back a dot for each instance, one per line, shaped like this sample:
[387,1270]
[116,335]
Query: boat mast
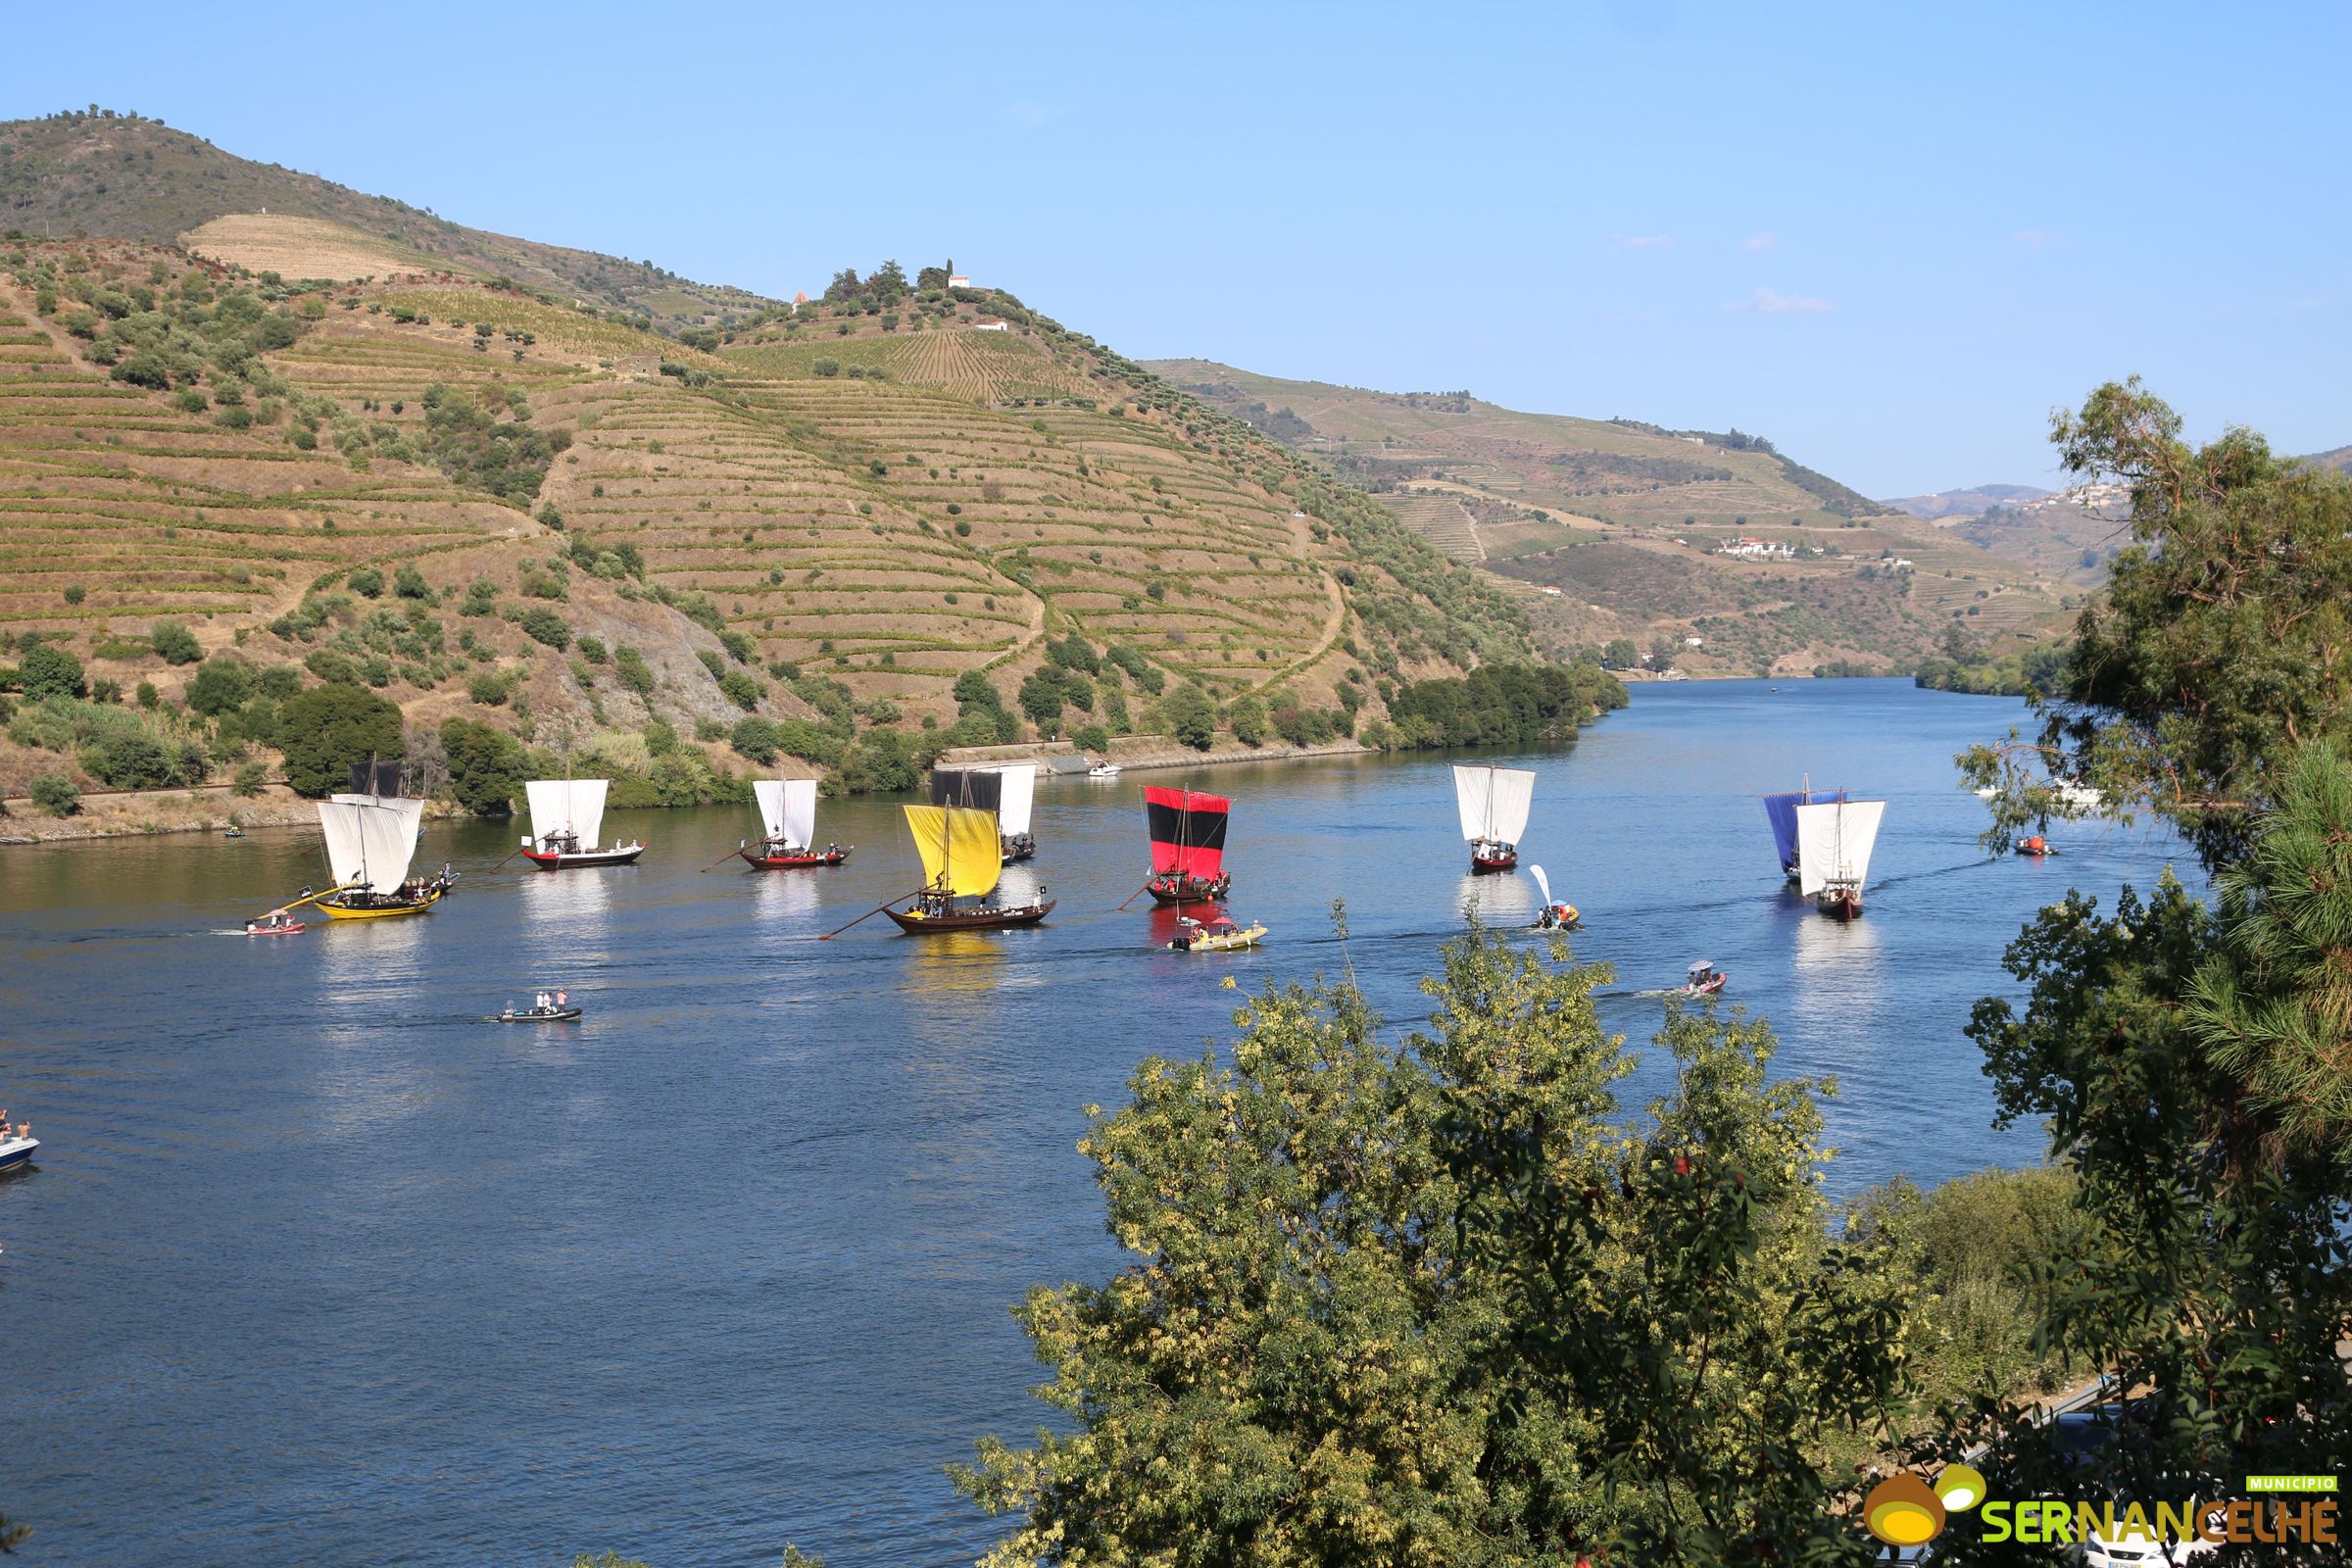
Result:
[1487,828]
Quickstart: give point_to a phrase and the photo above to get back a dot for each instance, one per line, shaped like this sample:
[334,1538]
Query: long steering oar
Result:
[868,915]
[1132,897]
[724,858]
[315,897]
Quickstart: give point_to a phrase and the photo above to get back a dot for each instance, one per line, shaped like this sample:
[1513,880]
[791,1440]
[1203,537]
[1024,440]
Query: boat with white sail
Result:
[963,859]
[371,841]
[788,827]
[1834,840]
[568,816]
[1494,804]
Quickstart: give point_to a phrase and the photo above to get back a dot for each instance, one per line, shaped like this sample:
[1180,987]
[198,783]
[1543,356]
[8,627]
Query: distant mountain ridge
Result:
[126,176]
[1964,503]
[1711,544]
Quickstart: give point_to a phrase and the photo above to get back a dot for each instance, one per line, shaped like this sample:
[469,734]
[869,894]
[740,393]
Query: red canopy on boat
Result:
[1188,831]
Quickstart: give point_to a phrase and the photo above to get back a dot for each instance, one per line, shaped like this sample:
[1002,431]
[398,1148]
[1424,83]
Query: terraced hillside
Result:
[485,503]
[1629,522]
[126,176]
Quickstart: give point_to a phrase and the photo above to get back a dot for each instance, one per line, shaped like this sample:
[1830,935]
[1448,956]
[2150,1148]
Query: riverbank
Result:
[191,808]
[1142,752]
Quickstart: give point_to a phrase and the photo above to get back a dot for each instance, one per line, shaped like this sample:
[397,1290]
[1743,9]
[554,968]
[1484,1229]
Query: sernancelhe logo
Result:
[1906,1508]
[1909,1510]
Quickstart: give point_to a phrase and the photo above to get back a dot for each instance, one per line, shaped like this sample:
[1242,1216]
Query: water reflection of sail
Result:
[1496,901]
[569,916]
[1837,972]
[784,898]
[954,960]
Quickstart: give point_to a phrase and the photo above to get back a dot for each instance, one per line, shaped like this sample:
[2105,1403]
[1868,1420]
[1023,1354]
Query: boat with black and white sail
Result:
[371,839]
[1493,802]
[963,861]
[788,828]
[1009,791]
[1833,840]
[567,816]
[1781,812]
[1188,844]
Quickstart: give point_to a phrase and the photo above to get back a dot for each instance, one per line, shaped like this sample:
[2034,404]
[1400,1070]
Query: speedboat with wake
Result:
[1703,979]
[1217,934]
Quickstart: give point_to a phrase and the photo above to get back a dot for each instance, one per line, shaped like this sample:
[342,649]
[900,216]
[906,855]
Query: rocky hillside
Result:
[1633,533]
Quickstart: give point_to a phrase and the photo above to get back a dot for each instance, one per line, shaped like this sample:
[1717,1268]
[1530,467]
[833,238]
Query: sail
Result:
[371,839]
[979,788]
[345,858]
[1017,793]
[956,843]
[1188,831]
[799,811]
[567,806]
[1833,840]
[1543,884]
[1781,812]
[769,792]
[1493,802]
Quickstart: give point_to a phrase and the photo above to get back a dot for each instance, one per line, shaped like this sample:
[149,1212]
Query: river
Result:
[319,1267]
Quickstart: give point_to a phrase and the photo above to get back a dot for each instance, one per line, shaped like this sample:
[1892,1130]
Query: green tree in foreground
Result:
[2223,640]
[48,671]
[1444,1303]
[2192,1066]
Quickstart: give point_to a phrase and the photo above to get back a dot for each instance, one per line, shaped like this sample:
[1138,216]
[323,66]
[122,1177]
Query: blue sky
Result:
[1891,238]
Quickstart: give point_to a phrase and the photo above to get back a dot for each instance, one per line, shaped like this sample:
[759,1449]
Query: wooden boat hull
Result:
[918,923]
[16,1154]
[790,863]
[626,855]
[554,1016]
[276,930]
[1188,890]
[383,911]
[1481,864]
[1018,850]
[1840,903]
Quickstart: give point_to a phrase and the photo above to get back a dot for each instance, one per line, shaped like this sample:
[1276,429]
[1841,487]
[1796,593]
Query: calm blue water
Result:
[320,1268]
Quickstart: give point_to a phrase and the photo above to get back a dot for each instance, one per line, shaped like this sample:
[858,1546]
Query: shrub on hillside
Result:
[488,688]
[222,682]
[630,668]
[744,690]
[48,671]
[1191,717]
[485,767]
[544,626]
[174,643]
[132,761]
[57,793]
[756,738]
[366,582]
[1092,738]
[325,730]
[409,583]
[250,778]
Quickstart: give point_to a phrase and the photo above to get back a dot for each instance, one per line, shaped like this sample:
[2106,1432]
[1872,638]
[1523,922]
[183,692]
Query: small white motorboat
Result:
[16,1154]
[1106,769]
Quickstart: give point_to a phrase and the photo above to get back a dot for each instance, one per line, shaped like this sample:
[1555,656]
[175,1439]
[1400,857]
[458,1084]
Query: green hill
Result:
[1628,522]
[486,500]
[124,176]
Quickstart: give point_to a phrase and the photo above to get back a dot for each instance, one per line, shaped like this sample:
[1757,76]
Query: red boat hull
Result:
[790,863]
[1481,864]
[1840,903]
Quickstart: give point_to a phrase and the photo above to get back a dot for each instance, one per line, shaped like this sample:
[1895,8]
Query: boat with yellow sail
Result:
[963,859]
